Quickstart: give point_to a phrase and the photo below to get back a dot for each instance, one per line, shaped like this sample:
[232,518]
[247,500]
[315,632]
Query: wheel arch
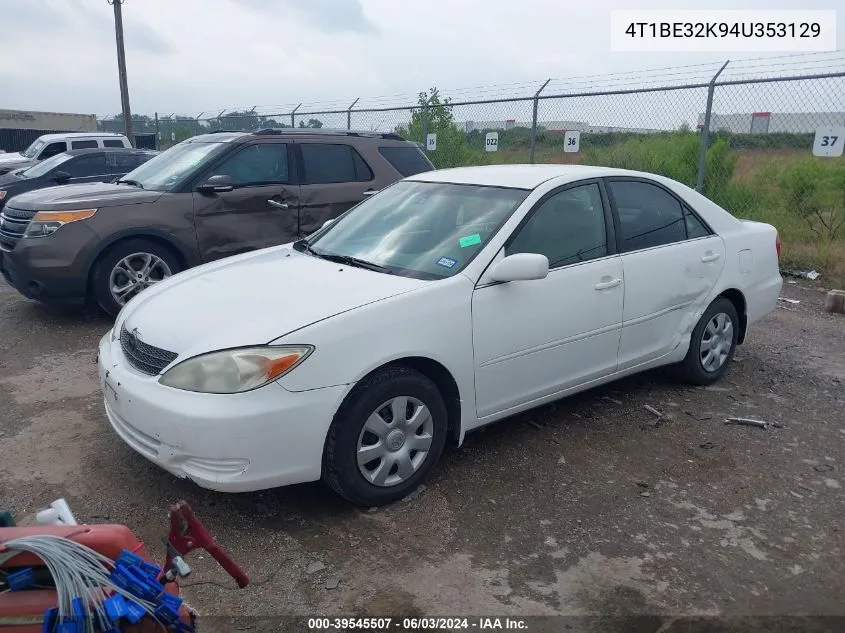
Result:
[443,380]
[185,257]
[738,299]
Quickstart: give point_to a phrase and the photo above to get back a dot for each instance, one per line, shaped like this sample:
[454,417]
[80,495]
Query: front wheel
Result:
[386,437]
[712,343]
[128,268]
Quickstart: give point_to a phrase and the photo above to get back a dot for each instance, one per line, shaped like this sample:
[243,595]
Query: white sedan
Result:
[448,301]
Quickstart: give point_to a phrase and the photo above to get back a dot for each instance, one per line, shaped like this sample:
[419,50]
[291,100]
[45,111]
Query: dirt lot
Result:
[580,508]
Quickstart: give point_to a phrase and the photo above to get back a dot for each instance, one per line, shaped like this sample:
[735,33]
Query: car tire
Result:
[371,407]
[712,344]
[111,270]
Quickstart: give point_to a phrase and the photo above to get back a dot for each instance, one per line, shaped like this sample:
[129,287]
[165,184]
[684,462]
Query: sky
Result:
[190,56]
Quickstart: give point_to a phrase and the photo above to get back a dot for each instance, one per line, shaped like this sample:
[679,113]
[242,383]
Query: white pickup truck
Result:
[51,144]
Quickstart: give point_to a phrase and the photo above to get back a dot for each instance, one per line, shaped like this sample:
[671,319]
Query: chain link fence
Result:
[745,143]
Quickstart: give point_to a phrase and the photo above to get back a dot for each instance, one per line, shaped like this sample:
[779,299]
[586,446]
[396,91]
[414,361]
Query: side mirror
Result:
[327,222]
[217,184]
[61,177]
[521,267]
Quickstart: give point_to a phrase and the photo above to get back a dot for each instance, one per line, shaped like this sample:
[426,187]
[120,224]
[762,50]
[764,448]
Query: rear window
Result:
[406,160]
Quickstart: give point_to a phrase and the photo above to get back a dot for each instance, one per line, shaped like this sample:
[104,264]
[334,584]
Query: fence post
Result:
[349,114]
[197,123]
[534,120]
[705,131]
[158,134]
[425,122]
[292,121]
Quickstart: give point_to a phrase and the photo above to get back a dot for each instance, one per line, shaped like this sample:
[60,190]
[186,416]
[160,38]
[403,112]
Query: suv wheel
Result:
[128,268]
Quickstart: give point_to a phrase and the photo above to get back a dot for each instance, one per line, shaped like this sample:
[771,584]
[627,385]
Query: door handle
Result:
[710,257]
[369,192]
[277,204]
[604,285]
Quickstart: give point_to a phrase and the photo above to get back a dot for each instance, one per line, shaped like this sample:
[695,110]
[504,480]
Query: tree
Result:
[434,116]
[315,123]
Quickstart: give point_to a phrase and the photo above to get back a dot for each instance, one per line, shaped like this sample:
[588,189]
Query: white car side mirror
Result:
[327,222]
[521,267]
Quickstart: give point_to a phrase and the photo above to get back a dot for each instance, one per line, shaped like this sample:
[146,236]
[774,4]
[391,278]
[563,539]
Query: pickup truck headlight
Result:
[48,222]
[235,370]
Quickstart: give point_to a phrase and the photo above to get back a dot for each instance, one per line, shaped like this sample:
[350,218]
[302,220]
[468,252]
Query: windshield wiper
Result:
[134,183]
[343,259]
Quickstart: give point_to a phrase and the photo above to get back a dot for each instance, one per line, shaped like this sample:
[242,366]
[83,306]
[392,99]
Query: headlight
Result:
[48,222]
[235,370]
[2,194]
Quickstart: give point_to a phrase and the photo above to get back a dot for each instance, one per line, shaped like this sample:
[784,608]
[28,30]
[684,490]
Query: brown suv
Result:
[209,197]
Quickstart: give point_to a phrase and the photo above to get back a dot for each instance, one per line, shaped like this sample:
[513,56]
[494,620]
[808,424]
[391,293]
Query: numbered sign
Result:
[829,141]
[572,141]
[491,142]
[431,142]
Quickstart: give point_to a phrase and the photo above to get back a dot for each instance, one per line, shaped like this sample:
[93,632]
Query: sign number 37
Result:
[829,141]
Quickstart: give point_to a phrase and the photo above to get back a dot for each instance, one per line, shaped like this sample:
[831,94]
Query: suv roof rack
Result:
[391,136]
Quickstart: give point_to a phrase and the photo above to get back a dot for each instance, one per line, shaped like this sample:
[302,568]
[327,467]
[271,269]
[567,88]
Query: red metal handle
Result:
[227,563]
[187,533]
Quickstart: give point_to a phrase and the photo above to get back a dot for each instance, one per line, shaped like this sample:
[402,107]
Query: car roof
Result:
[109,150]
[58,136]
[520,176]
[223,136]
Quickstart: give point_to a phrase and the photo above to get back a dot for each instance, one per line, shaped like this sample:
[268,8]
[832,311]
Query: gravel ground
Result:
[591,506]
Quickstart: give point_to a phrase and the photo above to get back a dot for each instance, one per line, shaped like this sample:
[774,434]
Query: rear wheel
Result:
[127,269]
[386,437]
[712,343]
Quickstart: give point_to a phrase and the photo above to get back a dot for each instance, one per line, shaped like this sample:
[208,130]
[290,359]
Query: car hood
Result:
[87,195]
[252,299]
[16,162]
[10,178]
[11,158]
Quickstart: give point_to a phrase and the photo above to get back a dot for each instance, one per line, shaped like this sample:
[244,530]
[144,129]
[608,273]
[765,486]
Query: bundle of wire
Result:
[82,579]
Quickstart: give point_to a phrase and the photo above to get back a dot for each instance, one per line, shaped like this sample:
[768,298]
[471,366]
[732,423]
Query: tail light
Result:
[777,244]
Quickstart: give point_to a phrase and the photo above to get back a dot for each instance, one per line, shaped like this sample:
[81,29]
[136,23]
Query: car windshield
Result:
[44,166]
[164,171]
[32,150]
[418,229]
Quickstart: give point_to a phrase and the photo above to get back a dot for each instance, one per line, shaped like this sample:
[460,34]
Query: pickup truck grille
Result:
[13,223]
[143,357]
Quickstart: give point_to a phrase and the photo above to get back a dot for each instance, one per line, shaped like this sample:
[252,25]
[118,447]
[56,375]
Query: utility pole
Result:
[121,69]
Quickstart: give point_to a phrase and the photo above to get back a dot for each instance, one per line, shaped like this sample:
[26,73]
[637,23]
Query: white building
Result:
[773,122]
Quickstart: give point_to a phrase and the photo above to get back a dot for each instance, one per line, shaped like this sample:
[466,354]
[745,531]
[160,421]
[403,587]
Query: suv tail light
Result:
[777,244]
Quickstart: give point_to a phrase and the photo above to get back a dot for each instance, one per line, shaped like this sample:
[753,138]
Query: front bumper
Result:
[51,269]
[264,438]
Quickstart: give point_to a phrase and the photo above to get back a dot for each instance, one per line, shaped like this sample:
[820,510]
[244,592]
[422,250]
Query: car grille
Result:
[143,357]
[13,223]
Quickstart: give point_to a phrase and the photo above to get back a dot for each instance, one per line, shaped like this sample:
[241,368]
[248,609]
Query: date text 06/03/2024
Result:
[417,624]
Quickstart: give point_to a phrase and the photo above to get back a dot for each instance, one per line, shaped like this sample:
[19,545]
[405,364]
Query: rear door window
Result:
[113,143]
[326,163]
[648,215]
[86,144]
[406,160]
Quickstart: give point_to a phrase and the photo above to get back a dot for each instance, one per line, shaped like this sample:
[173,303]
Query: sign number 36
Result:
[829,141]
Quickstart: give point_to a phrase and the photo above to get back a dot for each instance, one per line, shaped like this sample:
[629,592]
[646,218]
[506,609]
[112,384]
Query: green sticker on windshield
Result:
[470,240]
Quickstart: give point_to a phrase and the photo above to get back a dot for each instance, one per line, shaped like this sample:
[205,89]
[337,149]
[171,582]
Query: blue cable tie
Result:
[48,624]
[20,580]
